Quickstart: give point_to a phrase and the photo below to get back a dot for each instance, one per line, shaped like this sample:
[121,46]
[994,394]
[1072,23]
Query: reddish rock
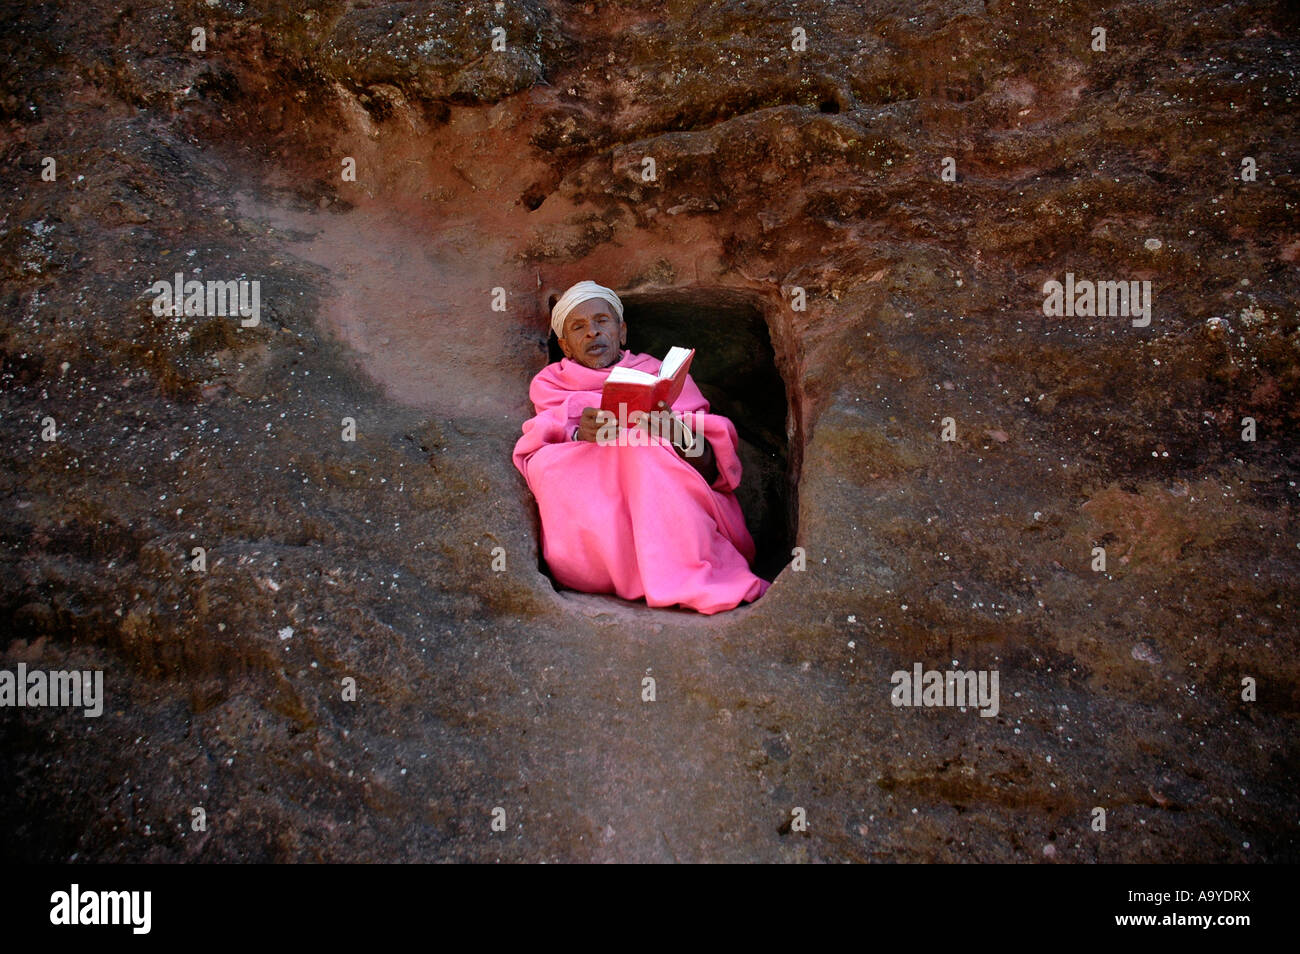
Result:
[502,176]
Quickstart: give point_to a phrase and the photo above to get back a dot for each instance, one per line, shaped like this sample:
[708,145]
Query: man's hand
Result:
[665,424]
[672,428]
[593,418]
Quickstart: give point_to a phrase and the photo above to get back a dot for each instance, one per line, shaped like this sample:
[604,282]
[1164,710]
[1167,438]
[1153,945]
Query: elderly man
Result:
[643,515]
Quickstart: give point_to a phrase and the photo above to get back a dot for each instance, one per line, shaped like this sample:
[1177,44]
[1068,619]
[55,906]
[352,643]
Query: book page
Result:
[672,361]
[622,375]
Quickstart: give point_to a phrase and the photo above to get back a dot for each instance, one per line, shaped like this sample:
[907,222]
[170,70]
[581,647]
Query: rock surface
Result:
[775,170]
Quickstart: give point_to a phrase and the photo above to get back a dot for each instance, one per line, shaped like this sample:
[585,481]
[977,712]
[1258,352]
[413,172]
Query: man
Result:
[641,515]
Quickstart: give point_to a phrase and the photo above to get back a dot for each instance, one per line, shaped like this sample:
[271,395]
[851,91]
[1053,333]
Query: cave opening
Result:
[736,369]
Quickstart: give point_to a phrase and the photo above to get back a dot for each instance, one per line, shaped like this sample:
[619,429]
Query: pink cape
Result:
[635,521]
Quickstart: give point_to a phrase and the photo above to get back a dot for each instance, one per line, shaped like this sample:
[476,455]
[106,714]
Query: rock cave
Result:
[736,368]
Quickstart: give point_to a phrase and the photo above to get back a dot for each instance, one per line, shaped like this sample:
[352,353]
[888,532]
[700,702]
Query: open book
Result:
[642,391]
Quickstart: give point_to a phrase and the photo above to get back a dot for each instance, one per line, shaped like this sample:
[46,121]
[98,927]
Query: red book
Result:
[642,391]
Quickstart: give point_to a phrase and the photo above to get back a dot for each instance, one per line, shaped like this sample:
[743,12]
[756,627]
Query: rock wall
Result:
[894,184]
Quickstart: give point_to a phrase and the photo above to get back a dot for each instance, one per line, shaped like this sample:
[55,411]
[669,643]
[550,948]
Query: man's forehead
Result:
[592,306]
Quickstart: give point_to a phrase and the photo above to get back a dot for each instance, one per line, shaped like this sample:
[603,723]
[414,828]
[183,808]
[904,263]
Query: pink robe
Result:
[635,521]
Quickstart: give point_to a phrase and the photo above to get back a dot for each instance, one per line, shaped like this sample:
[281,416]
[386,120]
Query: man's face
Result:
[594,335]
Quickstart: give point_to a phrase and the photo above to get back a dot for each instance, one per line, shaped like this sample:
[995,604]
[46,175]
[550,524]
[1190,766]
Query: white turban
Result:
[576,295]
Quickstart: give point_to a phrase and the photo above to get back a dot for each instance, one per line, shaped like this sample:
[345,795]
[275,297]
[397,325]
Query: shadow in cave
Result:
[735,369]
